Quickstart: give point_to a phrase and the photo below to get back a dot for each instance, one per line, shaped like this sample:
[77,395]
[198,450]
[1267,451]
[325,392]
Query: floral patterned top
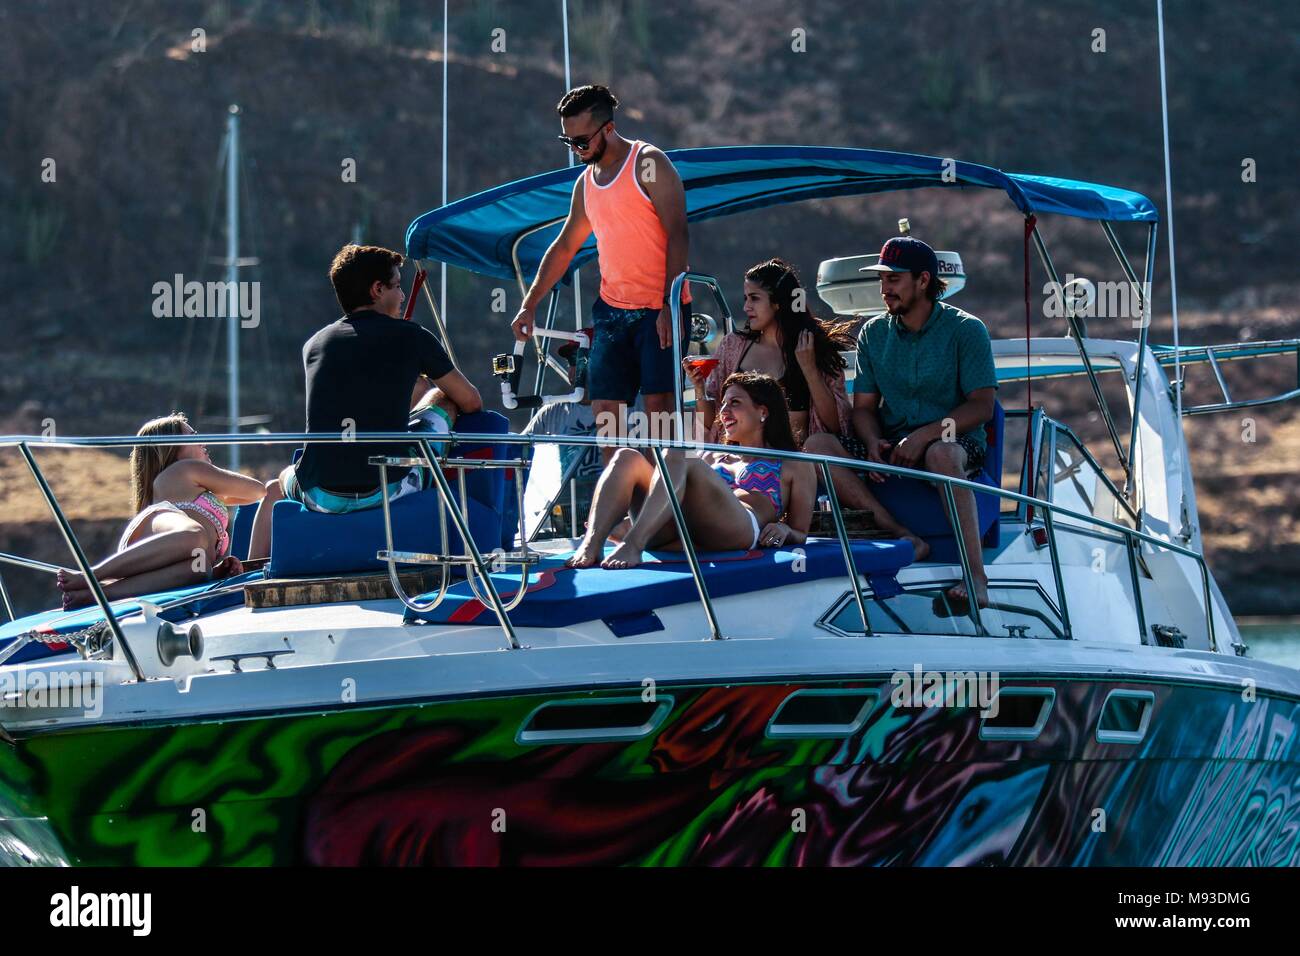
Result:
[728,355]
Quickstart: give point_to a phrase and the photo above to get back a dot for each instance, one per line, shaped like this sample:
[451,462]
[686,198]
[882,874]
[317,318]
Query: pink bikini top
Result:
[210,507]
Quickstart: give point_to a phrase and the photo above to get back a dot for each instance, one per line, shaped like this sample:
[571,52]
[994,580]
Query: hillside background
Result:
[134,118]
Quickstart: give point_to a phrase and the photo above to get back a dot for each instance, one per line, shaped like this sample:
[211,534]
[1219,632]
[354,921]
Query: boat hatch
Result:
[1021,713]
[818,712]
[1016,609]
[1125,716]
[595,720]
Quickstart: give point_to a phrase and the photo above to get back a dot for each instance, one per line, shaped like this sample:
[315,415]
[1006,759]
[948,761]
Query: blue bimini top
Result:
[487,231]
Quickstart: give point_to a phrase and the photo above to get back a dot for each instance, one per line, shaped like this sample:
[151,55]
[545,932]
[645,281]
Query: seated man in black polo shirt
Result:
[361,375]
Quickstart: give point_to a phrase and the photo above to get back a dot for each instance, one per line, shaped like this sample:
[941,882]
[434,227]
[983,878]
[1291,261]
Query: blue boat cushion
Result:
[489,486]
[241,530]
[305,543]
[559,596]
[919,506]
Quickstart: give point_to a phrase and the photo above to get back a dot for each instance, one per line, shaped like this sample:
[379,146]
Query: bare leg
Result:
[659,407]
[175,537]
[627,472]
[855,495]
[949,458]
[259,542]
[178,574]
[611,422]
[716,516]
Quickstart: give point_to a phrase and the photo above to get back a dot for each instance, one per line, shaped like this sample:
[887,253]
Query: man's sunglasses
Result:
[580,142]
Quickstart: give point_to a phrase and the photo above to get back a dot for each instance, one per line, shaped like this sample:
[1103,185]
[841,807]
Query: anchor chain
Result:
[91,642]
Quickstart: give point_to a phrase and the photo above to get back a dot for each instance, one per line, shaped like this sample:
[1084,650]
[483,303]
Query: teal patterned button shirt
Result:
[921,377]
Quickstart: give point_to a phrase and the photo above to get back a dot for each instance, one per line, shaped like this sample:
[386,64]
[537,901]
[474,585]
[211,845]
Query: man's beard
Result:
[595,157]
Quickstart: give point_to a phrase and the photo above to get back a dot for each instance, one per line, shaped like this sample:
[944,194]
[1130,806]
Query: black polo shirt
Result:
[361,371]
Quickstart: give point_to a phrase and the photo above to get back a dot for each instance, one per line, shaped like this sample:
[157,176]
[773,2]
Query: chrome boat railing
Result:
[1132,538]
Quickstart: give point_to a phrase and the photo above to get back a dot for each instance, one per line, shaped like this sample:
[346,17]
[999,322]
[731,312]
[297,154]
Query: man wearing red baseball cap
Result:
[924,390]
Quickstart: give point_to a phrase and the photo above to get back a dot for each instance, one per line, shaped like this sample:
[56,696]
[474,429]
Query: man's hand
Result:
[525,321]
[664,326]
[909,452]
[878,451]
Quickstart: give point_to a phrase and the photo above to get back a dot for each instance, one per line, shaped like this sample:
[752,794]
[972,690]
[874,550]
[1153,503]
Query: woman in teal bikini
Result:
[181,532]
[731,501]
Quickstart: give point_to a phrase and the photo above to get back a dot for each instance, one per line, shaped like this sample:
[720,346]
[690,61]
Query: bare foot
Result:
[625,556]
[620,530]
[70,580]
[587,555]
[920,549]
[957,593]
[77,599]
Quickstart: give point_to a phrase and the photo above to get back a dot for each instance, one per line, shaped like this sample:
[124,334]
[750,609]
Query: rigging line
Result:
[1030,221]
[1169,211]
[442,301]
[220,165]
[1183,530]
[568,85]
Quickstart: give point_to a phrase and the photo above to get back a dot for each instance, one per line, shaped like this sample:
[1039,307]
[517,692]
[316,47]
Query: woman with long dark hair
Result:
[731,501]
[788,342]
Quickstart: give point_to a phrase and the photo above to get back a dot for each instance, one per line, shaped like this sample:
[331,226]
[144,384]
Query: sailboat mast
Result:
[232,278]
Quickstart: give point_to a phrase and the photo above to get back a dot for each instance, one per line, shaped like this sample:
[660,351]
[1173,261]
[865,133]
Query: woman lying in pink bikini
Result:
[181,532]
[731,502]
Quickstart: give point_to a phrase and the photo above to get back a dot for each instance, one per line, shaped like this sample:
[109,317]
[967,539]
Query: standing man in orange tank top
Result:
[631,197]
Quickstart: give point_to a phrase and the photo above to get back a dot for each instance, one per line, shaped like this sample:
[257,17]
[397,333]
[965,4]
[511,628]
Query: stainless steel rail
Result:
[4,595]
[675,307]
[842,533]
[543,344]
[1133,537]
[31,563]
[1079,332]
[1228,404]
[471,559]
[437,319]
[675,302]
[688,545]
[959,536]
[1140,290]
[83,565]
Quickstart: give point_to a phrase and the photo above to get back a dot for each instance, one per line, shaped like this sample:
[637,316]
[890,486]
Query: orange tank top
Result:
[631,244]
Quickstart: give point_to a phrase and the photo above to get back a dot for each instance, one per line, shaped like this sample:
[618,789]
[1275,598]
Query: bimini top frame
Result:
[505,231]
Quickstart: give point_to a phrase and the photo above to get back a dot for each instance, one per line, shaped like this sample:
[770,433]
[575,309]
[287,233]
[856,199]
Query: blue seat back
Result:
[306,542]
[241,530]
[489,486]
